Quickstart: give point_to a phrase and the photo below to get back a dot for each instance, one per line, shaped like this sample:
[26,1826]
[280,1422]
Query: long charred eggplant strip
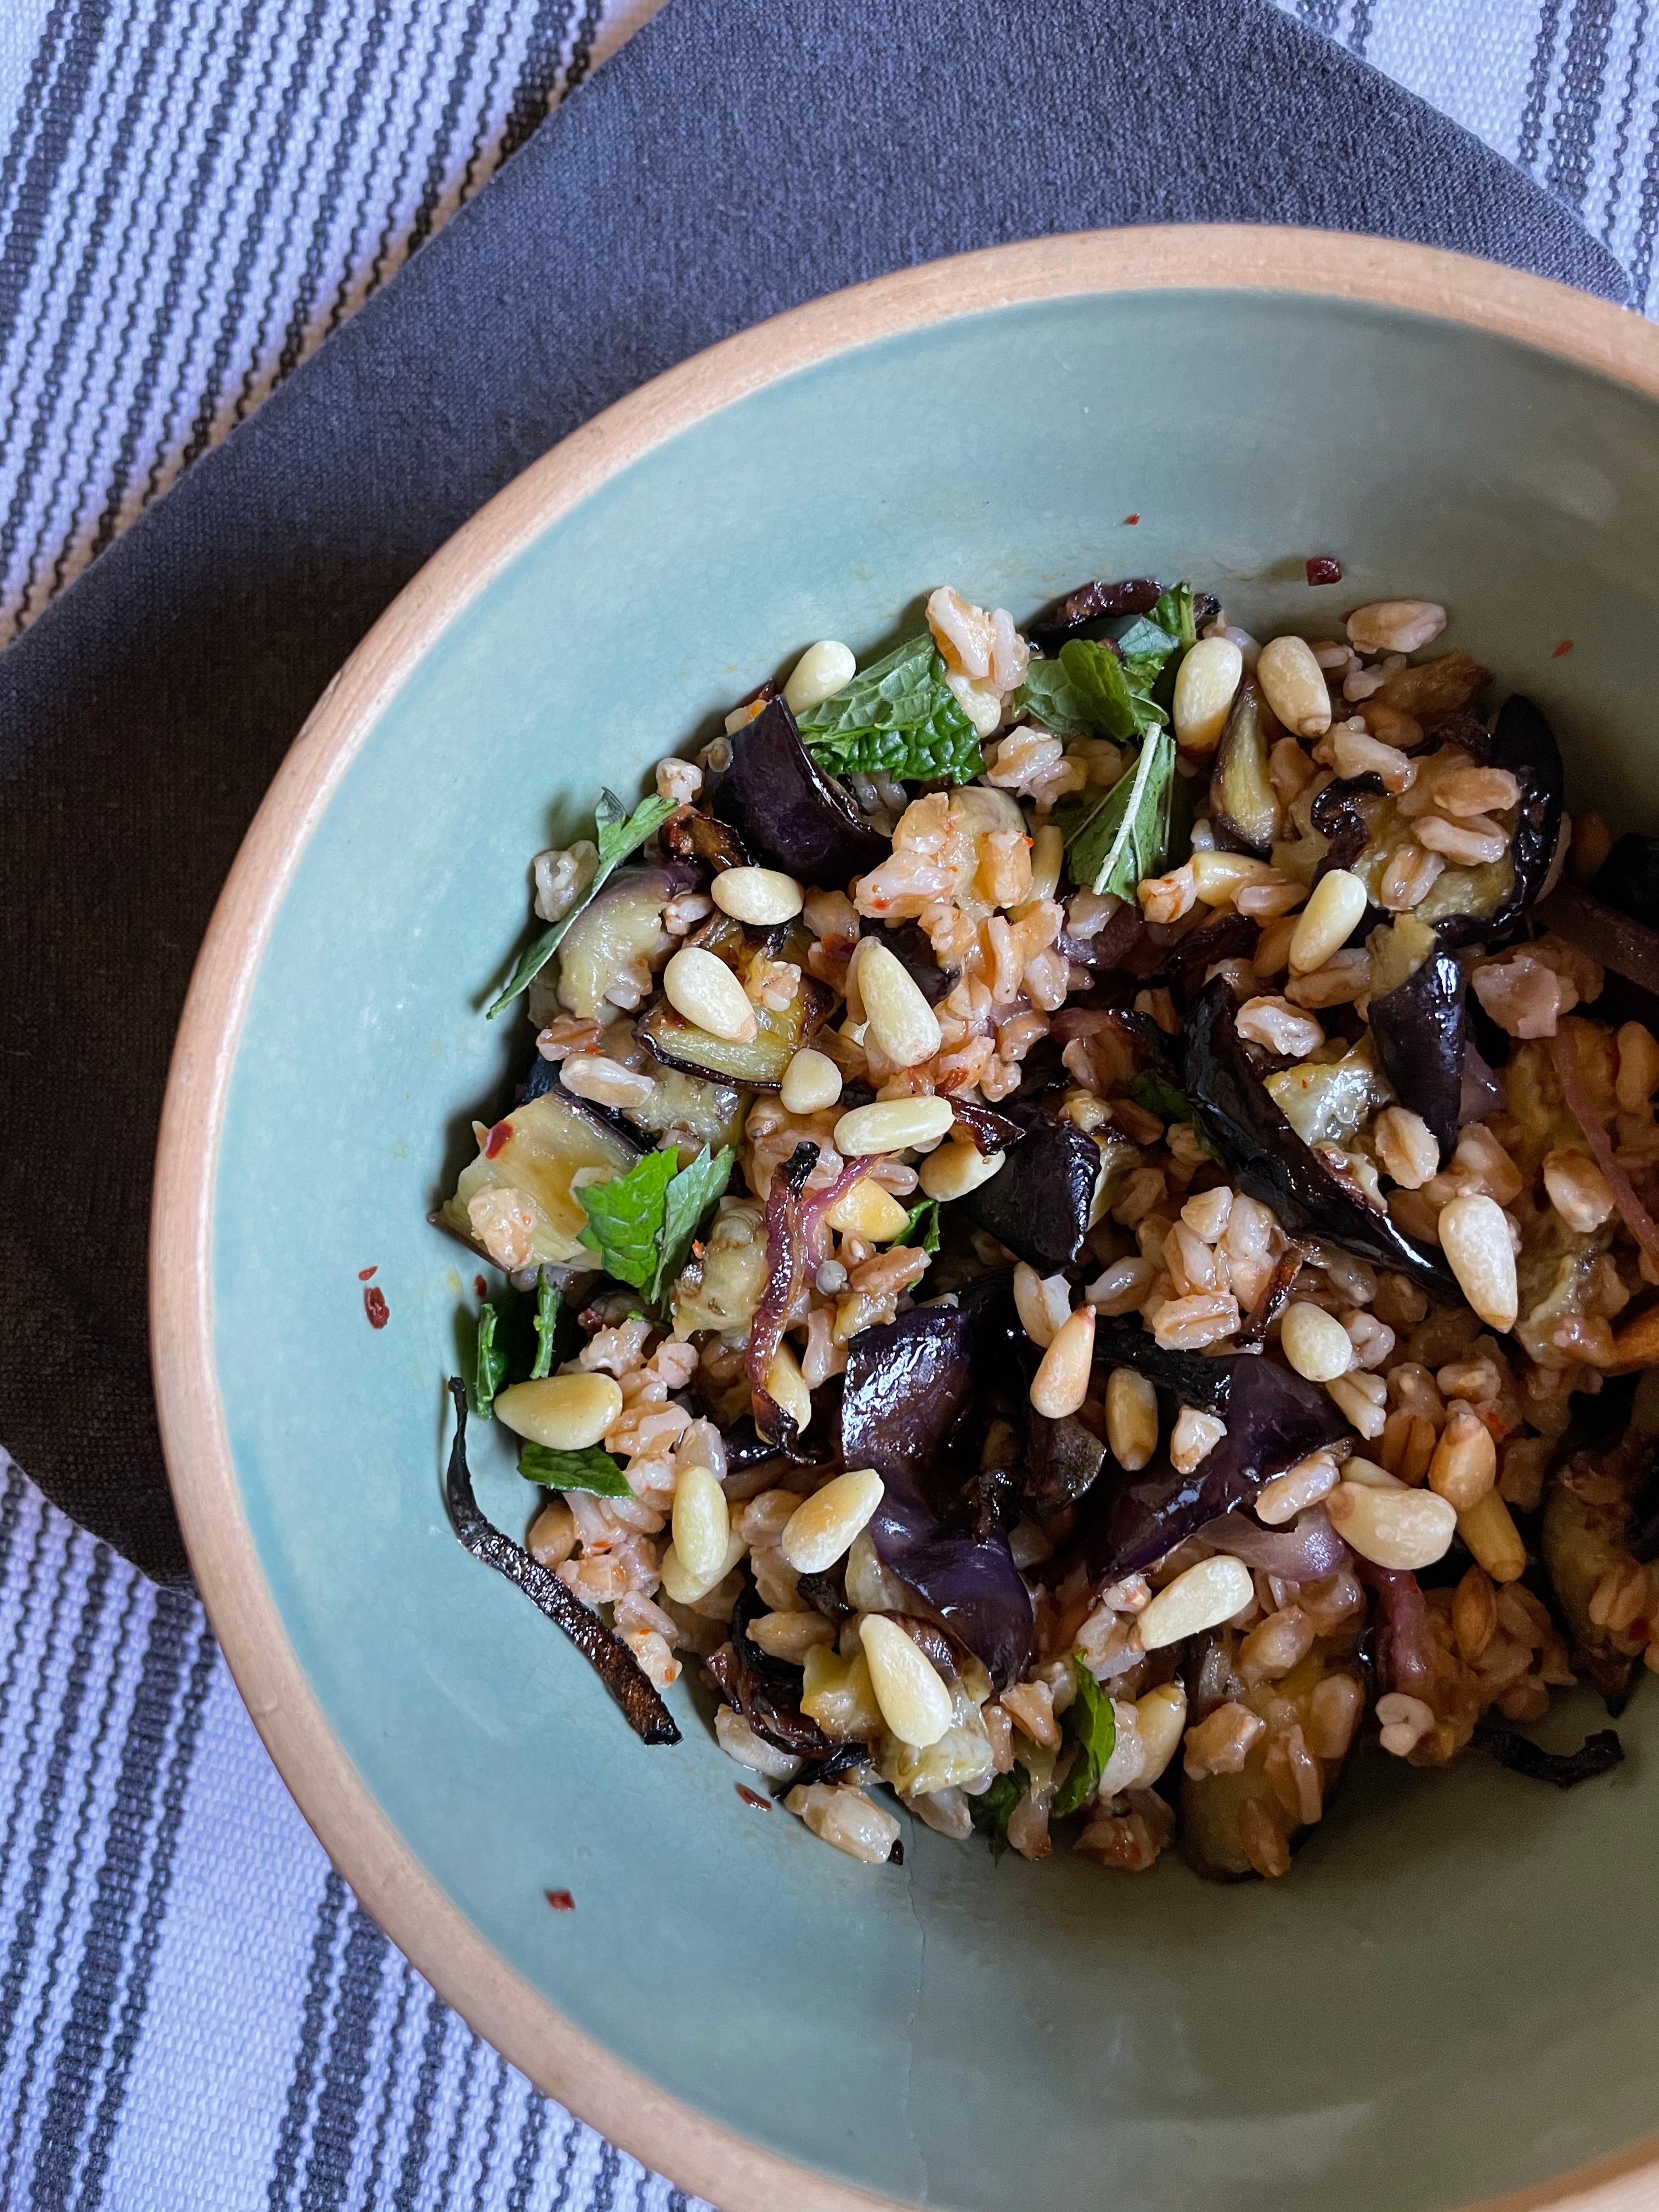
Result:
[607,1655]
[1598,1754]
[1093,603]
[1265,1157]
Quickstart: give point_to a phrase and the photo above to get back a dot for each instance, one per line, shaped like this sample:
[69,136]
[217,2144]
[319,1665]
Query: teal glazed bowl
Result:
[1455,1996]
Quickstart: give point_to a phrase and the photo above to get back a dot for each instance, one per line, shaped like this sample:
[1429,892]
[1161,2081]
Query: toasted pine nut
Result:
[786,1385]
[701,1523]
[1217,877]
[686,1587]
[1577,1190]
[895,1125]
[1465,1463]
[704,990]
[1407,1149]
[811,1082]
[901,1020]
[566,1412]
[868,1211]
[1130,1417]
[1205,685]
[955,1168]
[790,1635]
[1301,1486]
[821,671]
[820,1530]
[1397,1528]
[1367,1472]
[1203,1597]
[914,1702]
[1491,1533]
[1062,1382]
[1294,684]
[762,895]
[1329,919]
[1048,857]
[1160,1717]
[1474,1234]
[1395,625]
[1043,1304]
[1315,1342]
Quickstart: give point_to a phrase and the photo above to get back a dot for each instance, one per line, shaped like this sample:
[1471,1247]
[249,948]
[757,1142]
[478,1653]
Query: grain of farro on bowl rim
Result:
[236,1572]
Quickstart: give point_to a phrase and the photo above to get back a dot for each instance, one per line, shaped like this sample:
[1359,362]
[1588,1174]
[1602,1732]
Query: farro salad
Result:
[1077,1234]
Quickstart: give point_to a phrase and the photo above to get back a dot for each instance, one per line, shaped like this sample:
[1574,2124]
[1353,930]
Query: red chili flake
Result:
[481,1286]
[374,1305]
[1565,645]
[499,1136]
[366,1274]
[753,1797]
[1322,570]
[1132,518]
[560,1900]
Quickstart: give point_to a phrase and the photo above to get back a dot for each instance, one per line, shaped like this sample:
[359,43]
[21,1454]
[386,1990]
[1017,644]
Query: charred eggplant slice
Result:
[532,1157]
[1231,1824]
[1582,1535]
[756,1066]
[1419,1023]
[1064,1460]
[1244,809]
[1265,1157]
[1041,1202]
[786,811]
[1092,610]
[618,930]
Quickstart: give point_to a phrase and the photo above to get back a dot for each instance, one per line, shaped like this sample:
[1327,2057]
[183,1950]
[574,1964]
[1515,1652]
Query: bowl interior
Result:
[1454,1994]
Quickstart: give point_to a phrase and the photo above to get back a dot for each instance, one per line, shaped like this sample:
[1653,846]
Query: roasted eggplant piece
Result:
[618,929]
[908,941]
[1265,1157]
[1216,1815]
[1598,1754]
[1244,811]
[909,1384]
[711,1112]
[535,1153]
[985,1129]
[756,1066]
[1092,610]
[1063,1461]
[1325,1100]
[1338,815]
[789,814]
[688,835]
[1041,1202]
[1584,1533]
[1418,1020]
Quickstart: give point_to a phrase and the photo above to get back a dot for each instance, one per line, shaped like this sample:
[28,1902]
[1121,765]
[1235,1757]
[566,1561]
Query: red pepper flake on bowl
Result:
[560,1899]
[366,1274]
[481,1286]
[1565,647]
[1322,570]
[753,1797]
[1132,518]
[374,1305]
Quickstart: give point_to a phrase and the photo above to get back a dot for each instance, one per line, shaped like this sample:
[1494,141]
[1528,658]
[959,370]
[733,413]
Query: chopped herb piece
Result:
[899,717]
[992,1811]
[922,1229]
[641,1223]
[591,1469]
[1160,1096]
[1127,836]
[547,1302]
[617,833]
[690,1194]
[1091,1723]
[489,1364]
[1175,613]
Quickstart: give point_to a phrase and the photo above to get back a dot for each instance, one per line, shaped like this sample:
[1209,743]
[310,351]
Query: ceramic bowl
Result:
[1456,1995]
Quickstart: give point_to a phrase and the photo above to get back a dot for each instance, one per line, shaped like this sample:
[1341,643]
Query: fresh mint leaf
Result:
[1091,1725]
[899,717]
[625,1218]
[994,1808]
[1126,837]
[591,1469]
[1159,1095]
[489,1363]
[921,1227]
[689,1196]
[1089,691]
[547,1302]
[1174,614]
[616,833]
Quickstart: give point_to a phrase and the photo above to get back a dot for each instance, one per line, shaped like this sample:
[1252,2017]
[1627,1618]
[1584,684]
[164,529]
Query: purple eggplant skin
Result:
[1523,742]
[909,1384]
[907,942]
[1039,1203]
[1273,1419]
[1265,1157]
[1337,814]
[786,811]
[1090,610]
[1063,1461]
[1421,1031]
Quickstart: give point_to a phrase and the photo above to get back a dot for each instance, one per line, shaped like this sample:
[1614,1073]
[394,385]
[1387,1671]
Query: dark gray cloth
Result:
[733,159]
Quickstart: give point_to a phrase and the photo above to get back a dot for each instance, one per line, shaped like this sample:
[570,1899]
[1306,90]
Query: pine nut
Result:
[705,991]
[1491,1533]
[1219,877]
[818,1533]
[900,1018]
[811,1082]
[869,1212]
[894,1125]
[701,1525]
[1474,1234]
[764,896]
[1294,684]
[1366,1471]
[1160,1717]
[1465,1463]
[566,1412]
[909,1689]
[1047,859]
[1062,1382]
[1205,685]
[1397,1528]
[1130,1417]
[1043,1303]
[687,1589]
[1300,1487]
[821,671]
[1203,1597]
[955,1168]
[787,1386]
[790,1635]
[1395,625]
[1329,919]
[1315,1342]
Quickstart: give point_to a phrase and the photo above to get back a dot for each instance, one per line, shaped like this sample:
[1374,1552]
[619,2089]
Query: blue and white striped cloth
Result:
[195,2014]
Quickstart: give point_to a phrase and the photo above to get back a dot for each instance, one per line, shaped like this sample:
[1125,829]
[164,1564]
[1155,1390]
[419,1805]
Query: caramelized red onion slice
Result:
[792,1220]
[1405,1649]
[1306,1552]
[1631,1212]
